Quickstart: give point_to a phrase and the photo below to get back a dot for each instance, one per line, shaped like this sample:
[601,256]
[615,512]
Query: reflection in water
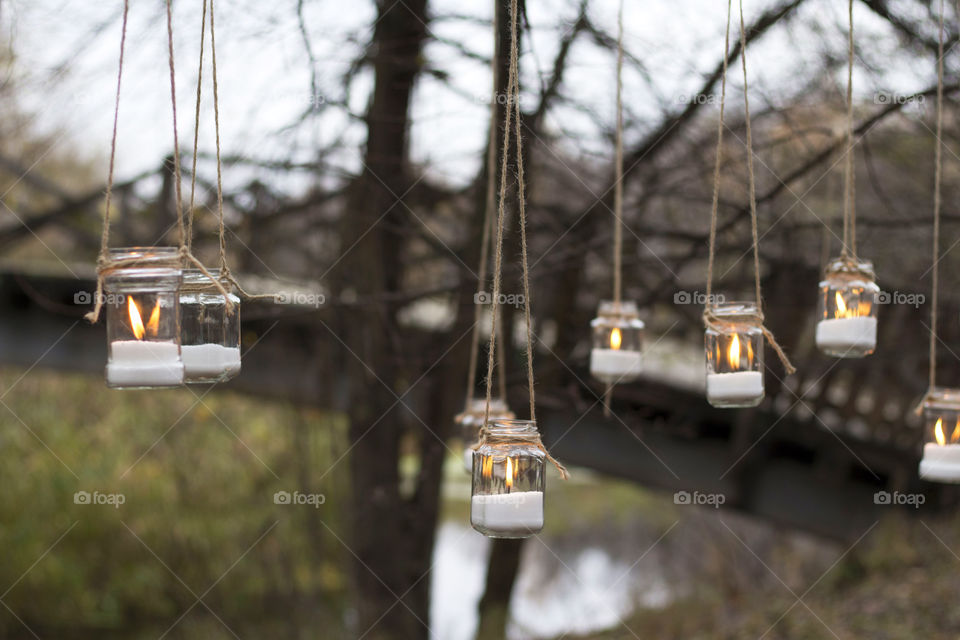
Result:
[557,591]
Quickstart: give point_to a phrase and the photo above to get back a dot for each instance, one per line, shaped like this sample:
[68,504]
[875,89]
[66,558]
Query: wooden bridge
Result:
[811,457]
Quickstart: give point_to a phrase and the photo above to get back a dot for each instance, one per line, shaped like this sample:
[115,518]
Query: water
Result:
[558,590]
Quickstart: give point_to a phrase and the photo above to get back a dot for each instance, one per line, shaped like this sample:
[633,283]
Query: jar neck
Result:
[511,431]
[144,257]
[197,281]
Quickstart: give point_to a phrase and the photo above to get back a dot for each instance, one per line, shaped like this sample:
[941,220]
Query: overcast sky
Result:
[67,53]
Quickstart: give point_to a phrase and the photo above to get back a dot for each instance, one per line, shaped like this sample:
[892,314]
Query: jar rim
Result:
[942,398]
[850,266]
[612,308]
[734,308]
[140,258]
[512,428]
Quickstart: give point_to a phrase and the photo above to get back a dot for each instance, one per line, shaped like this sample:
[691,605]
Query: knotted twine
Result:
[937,205]
[710,320]
[107,265]
[512,116]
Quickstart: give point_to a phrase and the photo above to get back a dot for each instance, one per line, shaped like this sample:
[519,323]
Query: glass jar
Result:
[508,481]
[617,342]
[209,334]
[848,309]
[471,420]
[941,428]
[143,318]
[734,348]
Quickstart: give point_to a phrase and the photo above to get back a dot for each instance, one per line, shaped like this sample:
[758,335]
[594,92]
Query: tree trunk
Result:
[389,532]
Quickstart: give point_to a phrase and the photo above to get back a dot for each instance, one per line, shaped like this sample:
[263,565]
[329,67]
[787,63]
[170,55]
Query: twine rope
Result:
[617,195]
[849,189]
[709,318]
[513,116]
[488,211]
[535,440]
[196,128]
[937,205]
[102,257]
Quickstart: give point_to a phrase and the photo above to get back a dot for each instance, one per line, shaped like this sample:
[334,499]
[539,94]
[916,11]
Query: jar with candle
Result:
[142,306]
[734,348]
[941,425]
[617,342]
[471,420]
[209,334]
[508,480]
[848,309]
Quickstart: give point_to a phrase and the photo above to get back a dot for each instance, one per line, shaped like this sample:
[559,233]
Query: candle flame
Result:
[153,324]
[136,323]
[955,437]
[842,311]
[509,474]
[486,467]
[136,320]
[733,354]
[615,338]
[938,432]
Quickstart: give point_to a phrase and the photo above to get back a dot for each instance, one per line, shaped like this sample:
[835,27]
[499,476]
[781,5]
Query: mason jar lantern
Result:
[471,420]
[209,334]
[508,481]
[941,425]
[617,342]
[143,318]
[734,349]
[848,309]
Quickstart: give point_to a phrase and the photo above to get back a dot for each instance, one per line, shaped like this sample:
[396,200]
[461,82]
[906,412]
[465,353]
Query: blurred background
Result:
[353,143]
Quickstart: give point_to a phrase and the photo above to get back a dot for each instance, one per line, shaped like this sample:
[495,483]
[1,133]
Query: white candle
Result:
[738,386]
[139,363]
[614,365]
[941,462]
[210,361]
[841,334]
[520,512]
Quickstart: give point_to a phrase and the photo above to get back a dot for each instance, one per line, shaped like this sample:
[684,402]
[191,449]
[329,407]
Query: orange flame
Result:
[955,437]
[136,323]
[510,473]
[136,320]
[733,353]
[938,432]
[615,339]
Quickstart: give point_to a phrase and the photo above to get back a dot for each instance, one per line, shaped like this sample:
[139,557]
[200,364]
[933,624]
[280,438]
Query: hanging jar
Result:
[941,425]
[734,347]
[508,480]
[848,309]
[617,342]
[471,420]
[209,333]
[143,318]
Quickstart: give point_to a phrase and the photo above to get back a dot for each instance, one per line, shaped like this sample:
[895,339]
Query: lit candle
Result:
[518,512]
[735,386]
[615,364]
[941,461]
[144,363]
[850,329]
